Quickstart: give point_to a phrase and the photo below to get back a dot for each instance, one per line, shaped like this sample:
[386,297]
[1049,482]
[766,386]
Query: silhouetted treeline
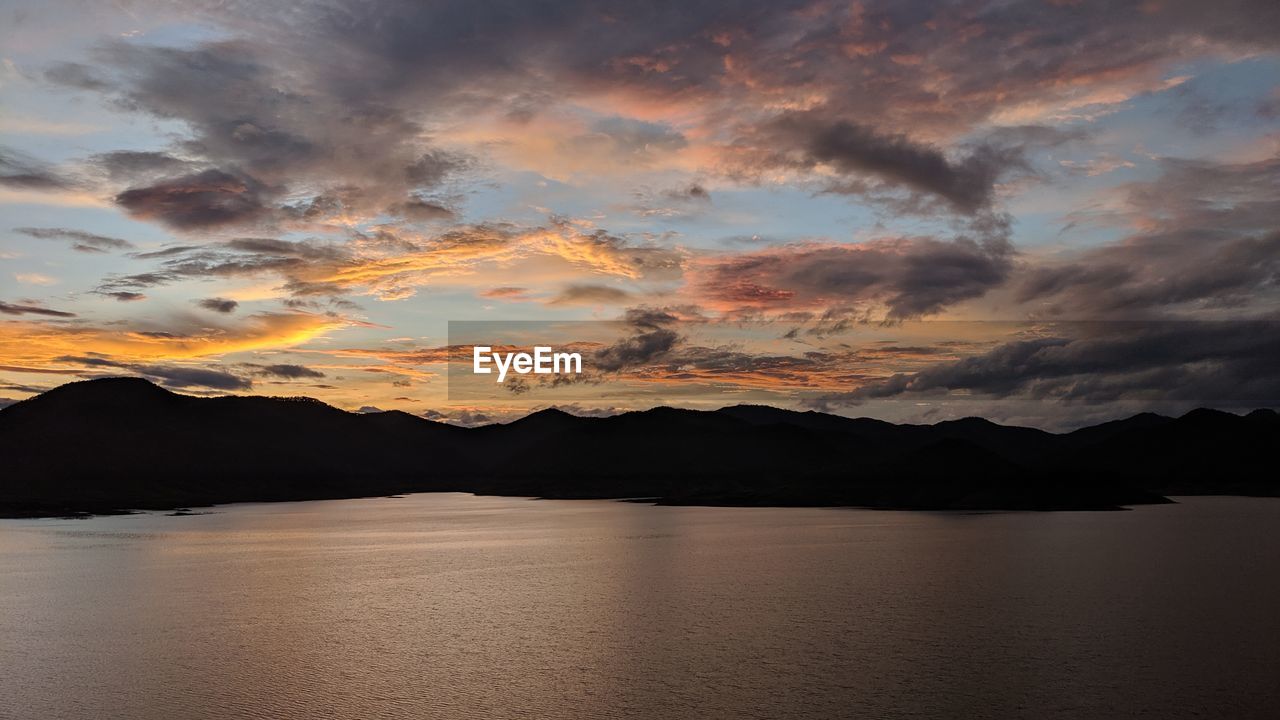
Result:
[110,444]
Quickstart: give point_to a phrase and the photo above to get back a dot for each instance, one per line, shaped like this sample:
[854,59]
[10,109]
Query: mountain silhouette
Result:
[120,443]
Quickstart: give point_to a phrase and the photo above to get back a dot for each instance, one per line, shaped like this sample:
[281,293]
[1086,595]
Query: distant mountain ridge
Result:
[110,444]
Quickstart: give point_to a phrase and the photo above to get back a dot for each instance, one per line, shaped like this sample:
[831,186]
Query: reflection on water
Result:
[451,606]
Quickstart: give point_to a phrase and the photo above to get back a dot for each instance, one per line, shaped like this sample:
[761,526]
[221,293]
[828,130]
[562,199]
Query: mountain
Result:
[110,444]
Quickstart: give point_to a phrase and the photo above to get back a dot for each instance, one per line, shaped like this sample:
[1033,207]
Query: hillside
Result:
[110,444]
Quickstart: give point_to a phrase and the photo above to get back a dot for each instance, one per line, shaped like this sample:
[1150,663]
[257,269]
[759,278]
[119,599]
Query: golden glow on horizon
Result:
[28,343]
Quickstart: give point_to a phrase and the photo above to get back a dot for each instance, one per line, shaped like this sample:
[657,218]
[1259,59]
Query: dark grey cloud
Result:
[240,257]
[1224,364]
[650,334]
[17,387]
[20,171]
[582,294]
[205,200]
[284,248]
[805,140]
[912,277]
[38,370]
[172,376]
[285,372]
[641,348]
[264,122]
[418,210]
[80,240]
[1211,244]
[193,377]
[130,165]
[693,192]
[111,285]
[77,75]
[124,295]
[651,318]
[431,168]
[10,309]
[1152,274]
[506,291]
[165,252]
[220,305]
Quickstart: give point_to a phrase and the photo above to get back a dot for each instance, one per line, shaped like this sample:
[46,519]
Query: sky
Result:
[1048,213]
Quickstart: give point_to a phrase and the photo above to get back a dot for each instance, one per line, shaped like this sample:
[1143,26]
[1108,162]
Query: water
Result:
[452,606]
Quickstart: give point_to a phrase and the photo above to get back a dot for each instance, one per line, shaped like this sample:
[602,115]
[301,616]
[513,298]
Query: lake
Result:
[454,606]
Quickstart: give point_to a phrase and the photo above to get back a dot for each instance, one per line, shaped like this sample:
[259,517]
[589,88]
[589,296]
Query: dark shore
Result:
[113,445]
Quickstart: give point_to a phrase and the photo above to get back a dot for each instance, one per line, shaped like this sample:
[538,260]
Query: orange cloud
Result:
[390,265]
[33,344]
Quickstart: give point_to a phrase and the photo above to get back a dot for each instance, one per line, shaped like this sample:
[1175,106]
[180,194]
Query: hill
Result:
[110,444]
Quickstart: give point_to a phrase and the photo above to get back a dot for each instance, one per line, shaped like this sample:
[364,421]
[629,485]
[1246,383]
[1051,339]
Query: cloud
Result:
[35,278]
[124,296]
[194,377]
[283,248]
[209,199]
[514,293]
[656,348]
[1218,364]
[37,344]
[239,257]
[169,375]
[353,125]
[693,192]
[130,165]
[678,202]
[76,75]
[620,141]
[855,151]
[334,101]
[22,172]
[221,305]
[81,241]
[590,295]
[389,263]
[285,372]
[604,253]
[9,309]
[1208,241]
[272,137]
[418,210]
[643,347]
[911,277]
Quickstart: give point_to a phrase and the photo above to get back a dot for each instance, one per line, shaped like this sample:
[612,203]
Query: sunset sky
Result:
[1048,213]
